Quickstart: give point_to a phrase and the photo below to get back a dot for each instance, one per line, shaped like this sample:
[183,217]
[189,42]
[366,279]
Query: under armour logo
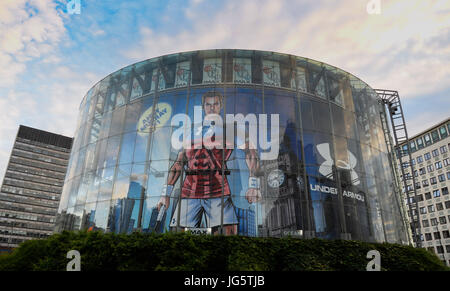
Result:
[326,167]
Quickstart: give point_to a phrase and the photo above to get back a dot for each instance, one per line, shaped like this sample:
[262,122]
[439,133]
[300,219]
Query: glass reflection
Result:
[329,178]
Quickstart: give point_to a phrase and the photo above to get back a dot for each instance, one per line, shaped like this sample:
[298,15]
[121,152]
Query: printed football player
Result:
[206,185]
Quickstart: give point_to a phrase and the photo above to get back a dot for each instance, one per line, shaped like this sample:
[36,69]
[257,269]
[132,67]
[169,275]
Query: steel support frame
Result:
[391,100]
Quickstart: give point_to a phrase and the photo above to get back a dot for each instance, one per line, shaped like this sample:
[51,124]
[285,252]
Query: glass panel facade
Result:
[242,142]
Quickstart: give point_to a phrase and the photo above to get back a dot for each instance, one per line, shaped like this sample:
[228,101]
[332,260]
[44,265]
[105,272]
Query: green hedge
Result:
[186,252]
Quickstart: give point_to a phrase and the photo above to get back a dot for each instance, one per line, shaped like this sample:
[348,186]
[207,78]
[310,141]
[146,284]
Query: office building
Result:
[431,163]
[32,186]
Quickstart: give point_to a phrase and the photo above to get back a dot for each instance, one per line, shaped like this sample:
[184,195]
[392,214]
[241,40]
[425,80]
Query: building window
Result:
[418,185]
[421,237]
[416,174]
[428,237]
[437,235]
[443,131]
[419,143]
[419,159]
[420,197]
[440,249]
[425,223]
[427,139]
[427,156]
[435,136]
[446,162]
[433,180]
[443,149]
[448,175]
[430,168]
[431,209]
[447,247]
[439,207]
[434,222]
[428,195]
[422,171]
[446,234]
[425,183]
[405,148]
[442,220]
[447,204]
[412,146]
[441,178]
[436,193]
[423,210]
[438,165]
[445,191]
[435,152]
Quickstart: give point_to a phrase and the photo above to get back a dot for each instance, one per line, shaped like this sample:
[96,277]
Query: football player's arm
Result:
[251,157]
[175,170]
[174,174]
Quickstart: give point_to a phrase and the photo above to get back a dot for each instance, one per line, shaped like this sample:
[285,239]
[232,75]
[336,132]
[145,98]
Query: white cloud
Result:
[196,2]
[405,48]
[62,91]
[52,59]
[9,69]
[14,106]
[52,106]
[98,32]
[28,30]
[422,122]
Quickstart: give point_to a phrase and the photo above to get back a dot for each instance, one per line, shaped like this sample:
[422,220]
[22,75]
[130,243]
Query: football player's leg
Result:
[189,215]
[229,215]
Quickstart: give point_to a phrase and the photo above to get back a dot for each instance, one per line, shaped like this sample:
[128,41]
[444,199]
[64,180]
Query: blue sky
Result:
[49,58]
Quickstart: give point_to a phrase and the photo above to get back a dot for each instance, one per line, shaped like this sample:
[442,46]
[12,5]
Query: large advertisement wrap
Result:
[170,148]
[214,160]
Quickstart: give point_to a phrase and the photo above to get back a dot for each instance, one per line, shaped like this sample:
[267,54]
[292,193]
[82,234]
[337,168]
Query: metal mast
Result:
[392,100]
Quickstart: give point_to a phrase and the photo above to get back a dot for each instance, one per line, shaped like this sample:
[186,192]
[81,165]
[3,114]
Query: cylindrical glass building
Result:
[240,142]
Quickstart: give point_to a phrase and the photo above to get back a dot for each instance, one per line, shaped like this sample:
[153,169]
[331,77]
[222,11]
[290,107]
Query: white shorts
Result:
[193,210]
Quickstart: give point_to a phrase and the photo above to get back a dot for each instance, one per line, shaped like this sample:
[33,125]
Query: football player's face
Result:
[212,105]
